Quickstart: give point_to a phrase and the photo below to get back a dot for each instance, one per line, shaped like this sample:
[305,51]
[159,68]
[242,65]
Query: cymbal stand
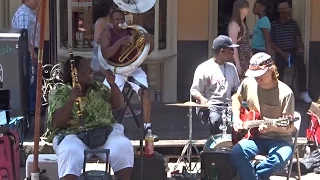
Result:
[226,118]
[188,148]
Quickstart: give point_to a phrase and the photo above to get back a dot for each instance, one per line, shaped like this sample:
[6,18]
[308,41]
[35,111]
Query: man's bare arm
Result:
[116,97]
[105,41]
[151,41]
[197,87]
[236,104]
[99,27]
[62,115]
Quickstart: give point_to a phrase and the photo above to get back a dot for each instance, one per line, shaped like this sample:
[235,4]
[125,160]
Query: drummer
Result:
[215,80]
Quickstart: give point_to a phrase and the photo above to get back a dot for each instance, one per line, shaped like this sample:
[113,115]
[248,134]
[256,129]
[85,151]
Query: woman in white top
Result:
[101,11]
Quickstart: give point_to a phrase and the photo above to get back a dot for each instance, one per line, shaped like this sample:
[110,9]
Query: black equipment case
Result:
[15,69]
[95,175]
[153,168]
[223,165]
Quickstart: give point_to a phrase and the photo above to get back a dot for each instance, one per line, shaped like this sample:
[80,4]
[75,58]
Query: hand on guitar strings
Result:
[110,76]
[265,128]
[237,125]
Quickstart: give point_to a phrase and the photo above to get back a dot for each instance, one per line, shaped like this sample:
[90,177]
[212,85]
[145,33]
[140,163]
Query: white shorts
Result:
[121,80]
[70,152]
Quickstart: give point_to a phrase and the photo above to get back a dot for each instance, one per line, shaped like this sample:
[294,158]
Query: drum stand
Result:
[188,148]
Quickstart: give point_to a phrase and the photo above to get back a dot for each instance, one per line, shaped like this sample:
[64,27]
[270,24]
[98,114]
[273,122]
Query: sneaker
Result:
[155,137]
[305,97]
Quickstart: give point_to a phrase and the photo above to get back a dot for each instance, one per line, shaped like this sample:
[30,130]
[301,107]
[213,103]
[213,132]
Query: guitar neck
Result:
[256,123]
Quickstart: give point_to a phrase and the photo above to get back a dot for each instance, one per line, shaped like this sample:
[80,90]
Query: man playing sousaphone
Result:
[215,80]
[112,40]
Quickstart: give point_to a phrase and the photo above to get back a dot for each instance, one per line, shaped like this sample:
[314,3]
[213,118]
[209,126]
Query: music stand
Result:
[188,146]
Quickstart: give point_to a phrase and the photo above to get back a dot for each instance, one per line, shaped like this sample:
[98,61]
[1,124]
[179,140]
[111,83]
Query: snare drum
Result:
[218,141]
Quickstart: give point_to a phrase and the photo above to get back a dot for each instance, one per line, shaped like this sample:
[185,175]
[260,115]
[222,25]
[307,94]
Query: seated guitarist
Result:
[215,80]
[272,98]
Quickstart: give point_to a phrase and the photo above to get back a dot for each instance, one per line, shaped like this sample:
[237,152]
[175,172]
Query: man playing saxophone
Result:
[111,41]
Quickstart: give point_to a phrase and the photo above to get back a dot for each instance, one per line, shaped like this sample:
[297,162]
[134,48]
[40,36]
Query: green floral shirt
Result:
[96,109]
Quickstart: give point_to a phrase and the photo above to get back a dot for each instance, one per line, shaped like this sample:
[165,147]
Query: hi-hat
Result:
[188,104]
[135,6]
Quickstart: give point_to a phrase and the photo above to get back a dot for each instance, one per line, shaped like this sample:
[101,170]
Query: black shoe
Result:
[155,137]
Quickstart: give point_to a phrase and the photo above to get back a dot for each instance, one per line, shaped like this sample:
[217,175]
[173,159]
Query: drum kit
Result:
[222,141]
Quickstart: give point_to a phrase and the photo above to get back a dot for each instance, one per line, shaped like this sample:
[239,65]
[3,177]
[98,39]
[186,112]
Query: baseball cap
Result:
[223,41]
[259,64]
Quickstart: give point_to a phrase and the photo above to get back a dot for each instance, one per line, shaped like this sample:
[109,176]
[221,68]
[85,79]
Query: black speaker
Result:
[217,163]
[154,168]
[5,103]
[15,69]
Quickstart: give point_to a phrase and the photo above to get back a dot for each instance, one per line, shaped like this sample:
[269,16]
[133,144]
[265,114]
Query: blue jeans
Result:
[279,153]
[32,82]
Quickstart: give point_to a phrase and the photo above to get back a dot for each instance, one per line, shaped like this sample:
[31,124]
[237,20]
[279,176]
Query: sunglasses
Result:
[229,50]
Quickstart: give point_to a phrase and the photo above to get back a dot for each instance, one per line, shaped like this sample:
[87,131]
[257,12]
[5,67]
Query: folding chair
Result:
[313,132]
[295,148]
[297,123]
[127,98]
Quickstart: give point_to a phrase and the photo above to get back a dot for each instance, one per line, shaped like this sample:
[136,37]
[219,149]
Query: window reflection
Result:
[147,19]
[63,23]
[83,27]
[272,12]
[162,24]
[224,15]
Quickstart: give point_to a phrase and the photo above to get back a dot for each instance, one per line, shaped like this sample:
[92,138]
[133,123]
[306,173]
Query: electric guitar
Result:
[252,120]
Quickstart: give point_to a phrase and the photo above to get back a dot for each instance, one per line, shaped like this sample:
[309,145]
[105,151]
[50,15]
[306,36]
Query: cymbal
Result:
[188,104]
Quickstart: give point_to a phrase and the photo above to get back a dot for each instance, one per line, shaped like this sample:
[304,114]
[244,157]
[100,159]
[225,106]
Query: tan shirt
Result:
[271,103]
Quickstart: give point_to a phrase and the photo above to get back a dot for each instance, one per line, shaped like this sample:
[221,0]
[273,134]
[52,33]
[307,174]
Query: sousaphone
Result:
[132,55]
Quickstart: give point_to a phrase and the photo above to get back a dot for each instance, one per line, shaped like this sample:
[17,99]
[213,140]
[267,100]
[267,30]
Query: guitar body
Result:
[246,115]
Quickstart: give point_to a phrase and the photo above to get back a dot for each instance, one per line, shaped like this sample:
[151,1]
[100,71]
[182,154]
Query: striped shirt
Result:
[284,35]
[25,18]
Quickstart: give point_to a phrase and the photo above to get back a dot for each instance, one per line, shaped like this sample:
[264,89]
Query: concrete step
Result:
[163,146]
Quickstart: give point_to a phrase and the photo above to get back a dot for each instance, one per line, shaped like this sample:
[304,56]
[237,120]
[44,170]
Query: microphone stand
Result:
[141,132]
[142,89]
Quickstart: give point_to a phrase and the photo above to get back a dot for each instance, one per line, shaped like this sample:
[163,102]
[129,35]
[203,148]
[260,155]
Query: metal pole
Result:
[42,16]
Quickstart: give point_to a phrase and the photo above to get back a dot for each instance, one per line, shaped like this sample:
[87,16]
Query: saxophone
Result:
[75,82]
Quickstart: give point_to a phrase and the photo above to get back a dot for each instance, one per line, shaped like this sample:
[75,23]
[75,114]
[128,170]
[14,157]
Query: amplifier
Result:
[14,69]
[48,166]
[5,103]
[221,161]
[153,168]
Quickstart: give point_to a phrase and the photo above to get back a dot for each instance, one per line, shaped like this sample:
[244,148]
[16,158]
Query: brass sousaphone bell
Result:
[132,55]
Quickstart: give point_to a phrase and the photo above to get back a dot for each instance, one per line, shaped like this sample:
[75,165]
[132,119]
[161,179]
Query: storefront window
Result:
[80,34]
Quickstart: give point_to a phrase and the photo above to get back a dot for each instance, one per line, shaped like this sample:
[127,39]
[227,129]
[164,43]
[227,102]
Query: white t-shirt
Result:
[215,82]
